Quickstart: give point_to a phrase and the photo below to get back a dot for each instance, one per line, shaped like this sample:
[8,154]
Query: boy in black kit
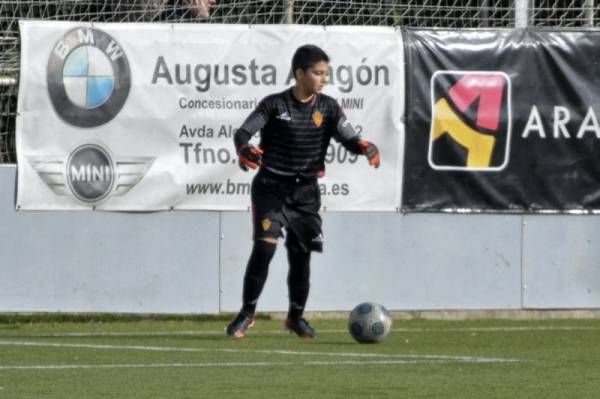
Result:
[295,129]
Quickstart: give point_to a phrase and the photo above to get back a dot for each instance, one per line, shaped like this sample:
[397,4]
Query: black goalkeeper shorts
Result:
[288,202]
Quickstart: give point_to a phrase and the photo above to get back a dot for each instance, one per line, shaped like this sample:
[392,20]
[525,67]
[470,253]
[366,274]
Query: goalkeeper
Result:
[296,127]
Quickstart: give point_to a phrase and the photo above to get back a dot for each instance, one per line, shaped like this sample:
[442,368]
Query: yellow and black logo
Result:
[470,121]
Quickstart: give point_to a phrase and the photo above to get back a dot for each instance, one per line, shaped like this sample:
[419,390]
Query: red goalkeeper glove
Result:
[371,152]
[249,157]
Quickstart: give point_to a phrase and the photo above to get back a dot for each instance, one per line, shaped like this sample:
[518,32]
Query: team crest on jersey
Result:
[266,223]
[317,117]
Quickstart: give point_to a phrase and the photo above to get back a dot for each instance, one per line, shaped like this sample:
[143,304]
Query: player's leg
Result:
[298,280]
[304,236]
[267,230]
[256,272]
[298,287]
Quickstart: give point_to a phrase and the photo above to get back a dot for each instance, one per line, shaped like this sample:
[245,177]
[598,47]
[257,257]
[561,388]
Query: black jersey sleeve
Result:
[253,123]
[343,132]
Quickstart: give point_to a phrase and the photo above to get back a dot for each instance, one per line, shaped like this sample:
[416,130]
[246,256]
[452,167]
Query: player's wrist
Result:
[250,156]
[371,151]
[240,148]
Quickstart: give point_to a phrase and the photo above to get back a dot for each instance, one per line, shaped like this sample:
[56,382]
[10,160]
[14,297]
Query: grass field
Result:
[194,359]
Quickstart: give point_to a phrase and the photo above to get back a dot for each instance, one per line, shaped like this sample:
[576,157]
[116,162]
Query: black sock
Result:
[256,273]
[298,282]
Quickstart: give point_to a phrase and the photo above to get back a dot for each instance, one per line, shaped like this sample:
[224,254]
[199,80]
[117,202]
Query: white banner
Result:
[139,117]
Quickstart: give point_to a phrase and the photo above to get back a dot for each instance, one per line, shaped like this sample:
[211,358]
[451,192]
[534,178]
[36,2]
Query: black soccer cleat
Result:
[242,322]
[301,328]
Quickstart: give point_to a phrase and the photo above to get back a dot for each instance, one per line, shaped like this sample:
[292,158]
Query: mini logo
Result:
[88,77]
[90,174]
[284,116]
[266,224]
[317,118]
[470,121]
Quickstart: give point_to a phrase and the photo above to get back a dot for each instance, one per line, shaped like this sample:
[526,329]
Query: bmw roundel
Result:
[88,77]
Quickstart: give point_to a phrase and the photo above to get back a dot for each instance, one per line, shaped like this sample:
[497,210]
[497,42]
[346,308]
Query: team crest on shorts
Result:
[317,118]
[266,223]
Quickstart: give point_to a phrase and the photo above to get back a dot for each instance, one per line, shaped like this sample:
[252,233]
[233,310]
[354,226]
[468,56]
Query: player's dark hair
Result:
[307,56]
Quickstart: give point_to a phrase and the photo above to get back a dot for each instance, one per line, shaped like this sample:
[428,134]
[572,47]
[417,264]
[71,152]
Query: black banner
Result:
[502,121]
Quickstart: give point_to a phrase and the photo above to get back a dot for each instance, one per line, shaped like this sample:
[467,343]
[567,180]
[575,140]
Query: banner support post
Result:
[589,13]
[522,13]
[289,12]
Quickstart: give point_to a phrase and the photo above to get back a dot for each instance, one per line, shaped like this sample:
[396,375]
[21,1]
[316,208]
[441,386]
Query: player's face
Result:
[314,78]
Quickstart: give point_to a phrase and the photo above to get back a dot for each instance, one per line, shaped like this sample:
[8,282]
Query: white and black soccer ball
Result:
[369,322]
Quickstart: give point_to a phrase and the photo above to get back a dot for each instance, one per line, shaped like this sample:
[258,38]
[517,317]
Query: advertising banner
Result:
[502,121]
[139,117]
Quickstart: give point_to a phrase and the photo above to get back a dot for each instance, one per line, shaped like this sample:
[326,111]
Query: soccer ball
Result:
[369,322]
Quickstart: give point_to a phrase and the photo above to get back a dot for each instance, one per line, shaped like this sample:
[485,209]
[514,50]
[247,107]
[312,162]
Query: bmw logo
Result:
[88,77]
[90,173]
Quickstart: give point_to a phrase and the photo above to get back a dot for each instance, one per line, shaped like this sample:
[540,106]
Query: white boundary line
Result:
[463,359]
[277,332]
[233,364]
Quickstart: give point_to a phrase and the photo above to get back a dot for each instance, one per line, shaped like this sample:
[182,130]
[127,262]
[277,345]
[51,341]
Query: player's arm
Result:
[345,134]
[249,155]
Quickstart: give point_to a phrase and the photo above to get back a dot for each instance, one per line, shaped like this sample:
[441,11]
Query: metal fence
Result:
[412,13]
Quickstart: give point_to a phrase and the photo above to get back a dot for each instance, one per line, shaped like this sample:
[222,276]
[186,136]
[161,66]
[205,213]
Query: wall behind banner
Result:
[193,262]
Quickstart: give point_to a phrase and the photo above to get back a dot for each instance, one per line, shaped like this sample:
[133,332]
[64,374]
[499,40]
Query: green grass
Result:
[191,358]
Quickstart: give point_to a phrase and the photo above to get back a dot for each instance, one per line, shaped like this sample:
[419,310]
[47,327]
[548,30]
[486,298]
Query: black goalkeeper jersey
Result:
[294,136]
